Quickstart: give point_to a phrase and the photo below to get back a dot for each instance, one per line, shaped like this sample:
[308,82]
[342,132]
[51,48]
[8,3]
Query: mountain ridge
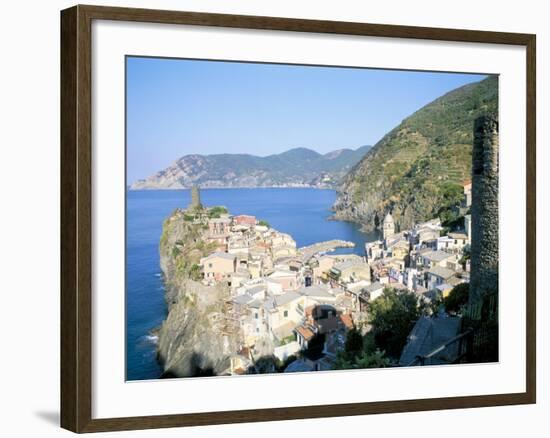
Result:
[296,167]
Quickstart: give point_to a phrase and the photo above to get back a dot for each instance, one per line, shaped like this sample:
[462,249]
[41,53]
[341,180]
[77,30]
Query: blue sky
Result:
[177,107]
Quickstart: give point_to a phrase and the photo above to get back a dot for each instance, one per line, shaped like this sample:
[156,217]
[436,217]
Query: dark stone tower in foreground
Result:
[484,247]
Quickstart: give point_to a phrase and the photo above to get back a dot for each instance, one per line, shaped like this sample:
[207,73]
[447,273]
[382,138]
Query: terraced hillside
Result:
[416,171]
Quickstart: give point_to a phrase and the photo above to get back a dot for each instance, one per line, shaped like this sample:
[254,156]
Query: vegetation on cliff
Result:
[416,171]
[190,338]
[182,245]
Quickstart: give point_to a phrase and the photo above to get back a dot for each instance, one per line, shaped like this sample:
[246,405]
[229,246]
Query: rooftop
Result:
[256,289]
[374,287]
[348,264]
[220,255]
[347,321]
[458,235]
[242,299]
[286,298]
[282,273]
[428,334]
[315,291]
[305,332]
[437,256]
[441,272]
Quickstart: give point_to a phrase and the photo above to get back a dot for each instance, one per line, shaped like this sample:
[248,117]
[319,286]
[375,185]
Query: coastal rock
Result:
[193,339]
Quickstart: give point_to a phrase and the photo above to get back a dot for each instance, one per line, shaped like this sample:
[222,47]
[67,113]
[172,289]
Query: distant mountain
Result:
[299,167]
[416,171]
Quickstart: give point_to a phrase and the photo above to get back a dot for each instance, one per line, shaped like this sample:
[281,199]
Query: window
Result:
[256,315]
[209,265]
[285,313]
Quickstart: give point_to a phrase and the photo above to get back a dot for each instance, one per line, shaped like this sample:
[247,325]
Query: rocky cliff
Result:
[300,167]
[416,171]
[193,340]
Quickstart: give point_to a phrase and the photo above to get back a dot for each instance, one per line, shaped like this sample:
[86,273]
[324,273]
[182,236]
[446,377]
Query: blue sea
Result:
[301,212]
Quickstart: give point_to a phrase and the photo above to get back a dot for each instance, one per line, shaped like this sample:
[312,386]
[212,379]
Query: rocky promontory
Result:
[193,340]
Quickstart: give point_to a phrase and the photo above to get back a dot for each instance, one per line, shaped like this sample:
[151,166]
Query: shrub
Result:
[392,317]
[457,298]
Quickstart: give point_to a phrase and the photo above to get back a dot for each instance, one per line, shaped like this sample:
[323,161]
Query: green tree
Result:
[264,223]
[354,343]
[360,352]
[457,298]
[392,317]
[216,212]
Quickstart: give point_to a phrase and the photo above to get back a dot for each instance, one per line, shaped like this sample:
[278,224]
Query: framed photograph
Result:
[270,218]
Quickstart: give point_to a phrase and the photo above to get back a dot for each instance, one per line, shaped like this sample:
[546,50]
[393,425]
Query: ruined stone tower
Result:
[195,198]
[484,246]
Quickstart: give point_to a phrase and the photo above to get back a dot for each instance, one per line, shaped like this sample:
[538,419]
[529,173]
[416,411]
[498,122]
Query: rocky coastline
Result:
[191,341]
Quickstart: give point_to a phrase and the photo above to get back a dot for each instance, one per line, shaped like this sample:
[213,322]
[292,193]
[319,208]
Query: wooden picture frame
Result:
[76,217]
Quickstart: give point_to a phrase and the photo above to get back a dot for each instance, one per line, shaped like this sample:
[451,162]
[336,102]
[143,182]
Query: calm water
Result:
[302,213]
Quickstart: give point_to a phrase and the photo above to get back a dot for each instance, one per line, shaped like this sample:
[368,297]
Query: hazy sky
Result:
[179,107]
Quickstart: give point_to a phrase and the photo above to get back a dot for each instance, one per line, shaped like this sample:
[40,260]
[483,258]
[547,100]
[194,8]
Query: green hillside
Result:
[417,169]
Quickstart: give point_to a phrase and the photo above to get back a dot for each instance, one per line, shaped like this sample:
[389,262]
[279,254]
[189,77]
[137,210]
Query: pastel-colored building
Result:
[400,250]
[432,259]
[324,265]
[219,226]
[244,219]
[350,271]
[219,266]
[437,276]
[289,280]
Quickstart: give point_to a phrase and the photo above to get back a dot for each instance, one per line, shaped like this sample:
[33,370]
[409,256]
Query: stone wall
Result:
[485,219]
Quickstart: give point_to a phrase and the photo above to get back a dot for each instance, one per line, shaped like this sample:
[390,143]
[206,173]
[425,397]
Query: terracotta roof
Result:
[305,332]
[347,320]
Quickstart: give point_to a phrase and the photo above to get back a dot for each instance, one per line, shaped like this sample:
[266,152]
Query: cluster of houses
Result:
[289,302]
[421,260]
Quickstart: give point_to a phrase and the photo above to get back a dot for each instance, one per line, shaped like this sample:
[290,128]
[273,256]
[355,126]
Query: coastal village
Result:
[298,304]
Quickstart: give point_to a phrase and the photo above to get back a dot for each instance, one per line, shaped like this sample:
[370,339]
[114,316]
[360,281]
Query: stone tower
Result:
[195,198]
[484,246]
[388,226]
